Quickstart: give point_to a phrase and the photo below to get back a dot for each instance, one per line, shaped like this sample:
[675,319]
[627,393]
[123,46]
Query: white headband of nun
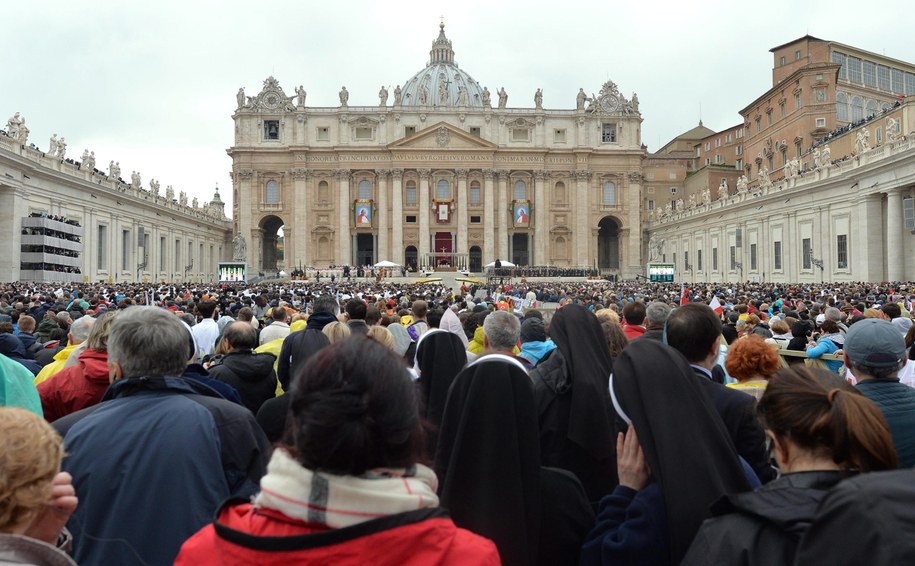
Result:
[616,403]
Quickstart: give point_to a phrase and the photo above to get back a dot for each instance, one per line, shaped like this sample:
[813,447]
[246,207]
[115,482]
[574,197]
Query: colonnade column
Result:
[541,225]
[462,211]
[344,249]
[489,236]
[397,216]
[583,228]
[502,217]
[424,205]
[895,255]
[300,232]
[384,220]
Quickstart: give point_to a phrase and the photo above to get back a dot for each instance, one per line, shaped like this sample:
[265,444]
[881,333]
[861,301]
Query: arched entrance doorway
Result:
[365,249]
[608,243]
[271,243]
[476,259]
[409,258]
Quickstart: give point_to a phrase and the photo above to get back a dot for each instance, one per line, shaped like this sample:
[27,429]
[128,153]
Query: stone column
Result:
[867,259]
[245,197]
[384,218]
[397,217]
[461,211]
[582,225]
[344,211]
[299,231]
[895,255]
[541,224]
[489,236]
[424,206]
[633,243]
[502,217]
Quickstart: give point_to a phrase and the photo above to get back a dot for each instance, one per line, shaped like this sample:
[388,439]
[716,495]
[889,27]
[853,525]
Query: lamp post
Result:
[188,268]
[689,268]
[818,263]
[739,265]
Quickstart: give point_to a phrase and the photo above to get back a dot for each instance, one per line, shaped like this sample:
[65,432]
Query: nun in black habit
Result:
[491,480]
[683,450]
[440,356]
[577,425]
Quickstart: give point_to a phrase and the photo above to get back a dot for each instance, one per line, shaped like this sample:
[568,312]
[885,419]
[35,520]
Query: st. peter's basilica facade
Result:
[441,172]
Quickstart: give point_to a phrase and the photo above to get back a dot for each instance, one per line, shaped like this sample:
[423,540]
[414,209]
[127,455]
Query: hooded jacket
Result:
[477,345]
[75,387]
[299,346]
[250,374]
[763,526]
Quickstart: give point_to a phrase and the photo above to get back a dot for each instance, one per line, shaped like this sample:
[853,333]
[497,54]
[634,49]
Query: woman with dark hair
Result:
[822,430]
[492,482]
[577,428]
[349,488]
[675,461]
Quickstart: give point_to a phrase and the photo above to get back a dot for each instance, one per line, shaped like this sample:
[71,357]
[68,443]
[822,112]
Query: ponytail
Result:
[819,412]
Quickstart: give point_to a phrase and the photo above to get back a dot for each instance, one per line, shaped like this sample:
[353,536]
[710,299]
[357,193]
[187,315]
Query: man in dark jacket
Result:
[250,373]
[159,447]
[355,316]
[874,353]
[695,330]
[299,346]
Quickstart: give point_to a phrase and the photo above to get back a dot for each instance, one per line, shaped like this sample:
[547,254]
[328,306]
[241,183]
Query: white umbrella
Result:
[386,263]
[504,264]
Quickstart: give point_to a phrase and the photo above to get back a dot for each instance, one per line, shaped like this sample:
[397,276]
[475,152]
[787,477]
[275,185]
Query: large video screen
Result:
[661,272]
[231,272]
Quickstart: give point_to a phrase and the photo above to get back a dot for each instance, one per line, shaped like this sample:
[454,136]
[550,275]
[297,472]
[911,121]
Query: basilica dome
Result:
[442,83]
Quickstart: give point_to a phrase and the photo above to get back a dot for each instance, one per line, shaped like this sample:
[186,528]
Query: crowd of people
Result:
[359,422]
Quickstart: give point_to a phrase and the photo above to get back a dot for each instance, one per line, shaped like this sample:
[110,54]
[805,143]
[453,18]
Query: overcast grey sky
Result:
[153,84]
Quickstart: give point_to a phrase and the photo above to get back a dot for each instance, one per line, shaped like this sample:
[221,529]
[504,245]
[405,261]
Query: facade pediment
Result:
[443,136]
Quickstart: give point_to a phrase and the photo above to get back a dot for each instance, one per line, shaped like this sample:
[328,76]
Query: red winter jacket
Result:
[633,331]
[243,535]
[75,387]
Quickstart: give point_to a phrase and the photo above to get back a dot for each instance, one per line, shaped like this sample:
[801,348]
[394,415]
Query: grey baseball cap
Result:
[874,342]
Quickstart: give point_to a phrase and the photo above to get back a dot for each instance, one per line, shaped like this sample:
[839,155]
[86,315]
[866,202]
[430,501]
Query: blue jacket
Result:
[825,346]
[151,464]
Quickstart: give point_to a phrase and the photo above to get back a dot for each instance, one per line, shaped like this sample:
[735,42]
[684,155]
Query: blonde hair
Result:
[101,330]
[607,315]
[30,456]
[382,335]
[336,331]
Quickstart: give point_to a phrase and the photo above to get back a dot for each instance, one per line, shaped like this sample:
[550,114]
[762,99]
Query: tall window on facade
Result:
[608,133]
[840,59]
[271,129]
[798,148]
[699,260]
[752,257]
[870,74]
[714,259]
[272,192]
[842,251]
[733,258]
[125,250]
[609,194]
[475,193]
[854,70]
[323,192]
[162,254]
[805,253]
[520,190]
[365,189]
[559,193]
[177,255]
[410,196]
[898,86]
[443,189]
[797,100]
[841,107]
[686,260]
[777,256]
[857,108]
[102,252]
[883,77]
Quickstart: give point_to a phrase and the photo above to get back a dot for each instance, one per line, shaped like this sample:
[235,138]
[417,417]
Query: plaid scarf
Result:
[343,501]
